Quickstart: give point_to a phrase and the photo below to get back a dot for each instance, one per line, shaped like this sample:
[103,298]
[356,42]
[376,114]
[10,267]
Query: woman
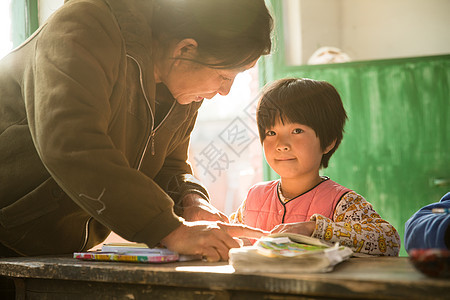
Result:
[96,111]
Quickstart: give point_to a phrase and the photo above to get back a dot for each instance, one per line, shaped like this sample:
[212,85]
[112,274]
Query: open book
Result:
[133,252]
[288,253]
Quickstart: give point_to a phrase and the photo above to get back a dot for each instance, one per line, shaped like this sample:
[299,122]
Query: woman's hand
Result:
[305,228]
[212,240]
[195,208]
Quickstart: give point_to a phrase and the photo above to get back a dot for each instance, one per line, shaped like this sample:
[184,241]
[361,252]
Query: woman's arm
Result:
[74,95]
[176,178]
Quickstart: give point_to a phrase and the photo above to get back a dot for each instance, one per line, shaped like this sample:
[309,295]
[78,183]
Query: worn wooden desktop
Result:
[358,278]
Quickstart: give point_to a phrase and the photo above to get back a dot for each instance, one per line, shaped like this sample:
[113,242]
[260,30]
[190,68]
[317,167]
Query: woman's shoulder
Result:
[87,7]
[97,20]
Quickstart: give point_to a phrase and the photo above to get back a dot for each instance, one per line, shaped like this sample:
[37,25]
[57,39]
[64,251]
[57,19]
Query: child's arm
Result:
[357,225]
[238,216]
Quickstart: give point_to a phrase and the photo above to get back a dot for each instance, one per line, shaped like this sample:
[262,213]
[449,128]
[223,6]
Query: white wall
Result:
[368,29]
[6,43]
[326,25]
[47,7]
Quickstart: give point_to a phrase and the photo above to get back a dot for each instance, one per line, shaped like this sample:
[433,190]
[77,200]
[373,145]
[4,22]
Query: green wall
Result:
[397,137]
[24,14]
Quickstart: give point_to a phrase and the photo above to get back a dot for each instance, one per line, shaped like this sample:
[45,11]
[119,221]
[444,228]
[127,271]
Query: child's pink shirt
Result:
[264,209]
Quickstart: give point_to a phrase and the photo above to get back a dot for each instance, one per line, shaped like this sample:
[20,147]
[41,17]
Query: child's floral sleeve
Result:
[238,216]
[358,226]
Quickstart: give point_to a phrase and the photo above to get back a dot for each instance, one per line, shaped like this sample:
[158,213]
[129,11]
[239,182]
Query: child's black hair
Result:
[314,103]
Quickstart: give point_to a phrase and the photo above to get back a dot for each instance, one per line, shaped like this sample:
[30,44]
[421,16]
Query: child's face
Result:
[293,150]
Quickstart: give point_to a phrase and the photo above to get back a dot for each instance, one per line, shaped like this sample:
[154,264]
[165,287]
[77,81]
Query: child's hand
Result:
[305,228]
[243,241]
[212,240]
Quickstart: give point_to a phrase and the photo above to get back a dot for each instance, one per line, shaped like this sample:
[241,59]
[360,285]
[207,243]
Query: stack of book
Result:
[288,253]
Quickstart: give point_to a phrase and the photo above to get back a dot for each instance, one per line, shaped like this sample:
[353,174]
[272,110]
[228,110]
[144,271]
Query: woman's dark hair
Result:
[232,32]
[313,103]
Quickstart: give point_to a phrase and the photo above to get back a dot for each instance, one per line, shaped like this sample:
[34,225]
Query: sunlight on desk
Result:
[226,269]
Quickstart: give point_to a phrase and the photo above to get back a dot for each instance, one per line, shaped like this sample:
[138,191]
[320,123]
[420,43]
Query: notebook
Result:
[133,252]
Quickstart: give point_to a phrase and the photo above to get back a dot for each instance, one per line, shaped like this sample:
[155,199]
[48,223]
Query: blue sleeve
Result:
[426,229]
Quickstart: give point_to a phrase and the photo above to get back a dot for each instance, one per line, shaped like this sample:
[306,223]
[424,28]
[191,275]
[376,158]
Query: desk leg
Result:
[20,288]
[7,290]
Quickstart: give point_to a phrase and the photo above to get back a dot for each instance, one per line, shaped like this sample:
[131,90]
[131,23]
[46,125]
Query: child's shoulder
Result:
[264,186]
[270,183]
[347,193]
[353,197]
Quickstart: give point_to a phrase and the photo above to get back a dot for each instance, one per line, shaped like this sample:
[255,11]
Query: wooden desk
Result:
[358,278]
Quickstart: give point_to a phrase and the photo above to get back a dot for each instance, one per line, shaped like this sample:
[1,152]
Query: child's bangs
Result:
[285,110]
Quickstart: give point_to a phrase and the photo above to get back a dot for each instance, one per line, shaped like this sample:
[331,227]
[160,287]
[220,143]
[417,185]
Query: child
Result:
[301,124]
